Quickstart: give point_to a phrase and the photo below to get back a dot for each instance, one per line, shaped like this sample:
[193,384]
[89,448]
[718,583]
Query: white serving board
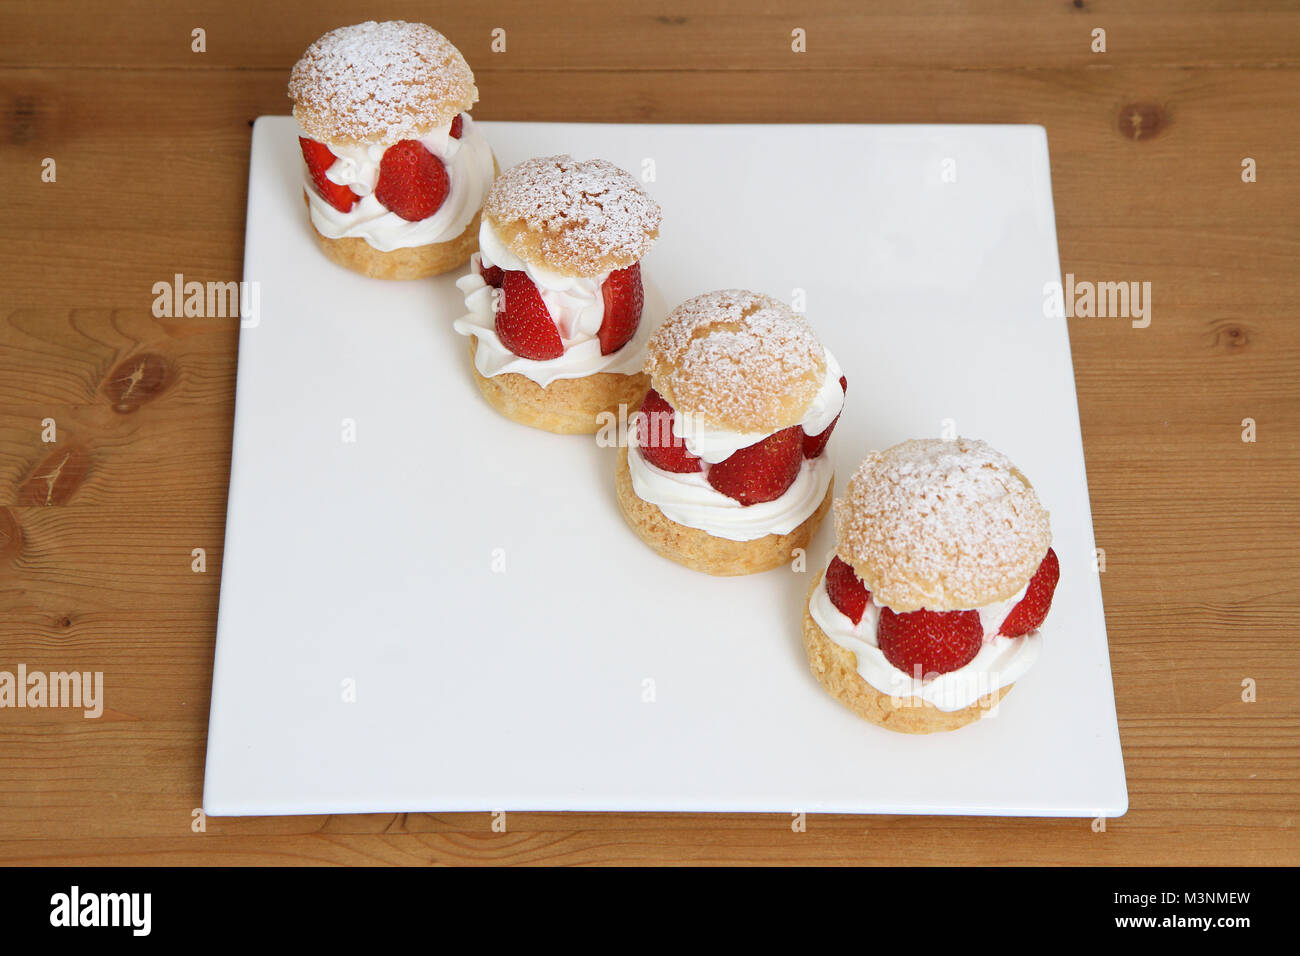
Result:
[372,561]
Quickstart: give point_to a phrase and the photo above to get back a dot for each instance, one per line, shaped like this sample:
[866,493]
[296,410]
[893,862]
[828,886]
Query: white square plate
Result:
[372,562]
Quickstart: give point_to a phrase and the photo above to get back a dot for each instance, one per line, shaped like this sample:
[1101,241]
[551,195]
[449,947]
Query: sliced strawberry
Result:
[762,472]
[457,125]
[1033,607]
[492,275]
[412,182]
[655,438]
[936,641]
[523,323]
[624,298]
[846,590]
[814,445]
[319,159]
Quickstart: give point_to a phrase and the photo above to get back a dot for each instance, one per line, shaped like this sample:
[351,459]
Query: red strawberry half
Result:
[1033,607]
[846,590]
[624,298]
[762,472]
[319,159]
[814,445]
[412,182]
[523,323]
[936,641]
[457,125]
[492,275]
[655,438]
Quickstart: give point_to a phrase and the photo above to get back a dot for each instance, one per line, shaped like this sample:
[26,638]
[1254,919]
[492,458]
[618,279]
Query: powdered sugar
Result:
[579,218]
[738,359]
[380,82]
[946,525]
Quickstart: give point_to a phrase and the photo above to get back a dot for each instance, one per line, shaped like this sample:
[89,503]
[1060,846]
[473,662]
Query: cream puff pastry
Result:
[554,296]
[725,470]
[943,573]
[395,169]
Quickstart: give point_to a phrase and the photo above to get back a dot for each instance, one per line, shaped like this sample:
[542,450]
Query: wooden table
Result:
[1200,528]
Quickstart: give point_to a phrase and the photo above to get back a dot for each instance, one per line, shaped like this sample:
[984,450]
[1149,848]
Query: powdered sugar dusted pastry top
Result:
[737,360]
[573,218]
[942,525]
[380,83]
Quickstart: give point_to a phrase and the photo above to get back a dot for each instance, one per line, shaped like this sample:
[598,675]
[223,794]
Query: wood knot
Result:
[23,120]
[11,537]
[136,381]
[1230,336]
[671,21]
[56,478]
[1078,4]
[1140,121]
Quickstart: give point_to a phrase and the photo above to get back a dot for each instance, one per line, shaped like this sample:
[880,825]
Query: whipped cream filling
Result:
[718,444]
[689,499]
[576,305]
[470,171]
[1001,661]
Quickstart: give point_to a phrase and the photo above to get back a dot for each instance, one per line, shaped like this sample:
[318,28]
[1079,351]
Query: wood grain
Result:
[1202,579]
[595,35]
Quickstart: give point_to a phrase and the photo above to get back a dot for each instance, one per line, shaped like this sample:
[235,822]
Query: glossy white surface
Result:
[373,561]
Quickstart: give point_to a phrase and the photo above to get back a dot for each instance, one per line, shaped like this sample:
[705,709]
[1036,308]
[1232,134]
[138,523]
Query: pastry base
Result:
[568,406]
[836,668]
[415,262]
[701,551]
